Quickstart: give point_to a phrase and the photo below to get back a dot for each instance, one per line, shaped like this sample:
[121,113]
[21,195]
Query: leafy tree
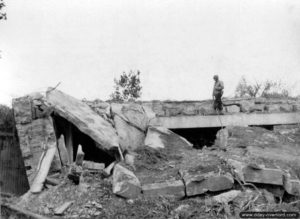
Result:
[127,87]
[2,14]
[267,89]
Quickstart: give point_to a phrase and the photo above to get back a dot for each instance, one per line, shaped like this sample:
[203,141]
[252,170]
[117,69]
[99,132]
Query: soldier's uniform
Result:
[217,93]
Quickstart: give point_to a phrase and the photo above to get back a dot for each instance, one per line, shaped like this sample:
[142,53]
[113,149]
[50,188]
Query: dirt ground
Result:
[94,199]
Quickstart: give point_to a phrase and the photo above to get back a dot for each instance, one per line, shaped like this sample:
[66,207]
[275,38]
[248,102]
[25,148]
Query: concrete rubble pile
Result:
[257,155]
[151,161]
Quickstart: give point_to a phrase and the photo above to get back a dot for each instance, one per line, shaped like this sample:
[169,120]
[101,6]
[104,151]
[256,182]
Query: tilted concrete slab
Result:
[84,118]
[239,119]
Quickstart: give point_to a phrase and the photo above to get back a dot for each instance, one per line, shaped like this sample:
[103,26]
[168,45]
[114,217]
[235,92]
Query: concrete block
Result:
[169,188]
[264,176]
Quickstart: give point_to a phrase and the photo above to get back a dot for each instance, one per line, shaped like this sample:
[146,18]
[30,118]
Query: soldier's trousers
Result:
[218,105]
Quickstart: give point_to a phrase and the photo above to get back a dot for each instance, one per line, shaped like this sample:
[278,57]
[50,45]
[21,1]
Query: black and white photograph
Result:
[139,109]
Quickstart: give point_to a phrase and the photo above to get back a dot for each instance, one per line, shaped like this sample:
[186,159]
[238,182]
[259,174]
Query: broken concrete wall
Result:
[192,108]
[34,128]
[83,117]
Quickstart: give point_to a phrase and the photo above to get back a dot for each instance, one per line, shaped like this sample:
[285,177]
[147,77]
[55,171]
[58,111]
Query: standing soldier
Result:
[217,94]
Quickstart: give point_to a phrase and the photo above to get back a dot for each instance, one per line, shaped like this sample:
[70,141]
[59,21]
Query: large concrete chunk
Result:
[173,188]
[203,173]
[134,114]
[261,156]
[130,137]
[264,176]
[160,137]
[125,183]
[84,118]
[199,184]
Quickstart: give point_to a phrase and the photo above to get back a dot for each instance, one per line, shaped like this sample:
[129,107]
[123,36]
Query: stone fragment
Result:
[222,138]
[204,172]
[43,168]
[79,156]
[101,107]
[84,118]
[129,159]
[158,137]
[226,196]
[125,183]
[109,168]
[63,151]
[130,137]
[52,181]
[93,166]
[264,176]
[169,188]
[149,112]
[61,209]
[199,184]
[75,173]
[136,116]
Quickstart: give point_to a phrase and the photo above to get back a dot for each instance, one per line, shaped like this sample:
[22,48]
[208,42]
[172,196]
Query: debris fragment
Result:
[43,170]
[226,196]
[61,209]
[169,188]
[79,156]
[108,170]
[75,173]
[51,181]
[125,183]
[92,166]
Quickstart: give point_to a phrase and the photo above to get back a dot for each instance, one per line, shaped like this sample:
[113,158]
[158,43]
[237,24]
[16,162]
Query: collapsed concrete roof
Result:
[83,117]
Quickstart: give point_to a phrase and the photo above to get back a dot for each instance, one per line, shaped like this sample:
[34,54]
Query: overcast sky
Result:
[178,45]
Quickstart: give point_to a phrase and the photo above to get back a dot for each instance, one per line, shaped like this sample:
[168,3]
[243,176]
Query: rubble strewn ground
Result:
[156,173]
[93,197]
[96,200]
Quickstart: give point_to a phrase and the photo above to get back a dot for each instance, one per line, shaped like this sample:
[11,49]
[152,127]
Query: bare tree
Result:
[268,89]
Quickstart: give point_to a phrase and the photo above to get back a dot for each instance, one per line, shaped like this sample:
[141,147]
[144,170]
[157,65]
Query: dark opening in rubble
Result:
[268,127]
[73,134]
[199,137]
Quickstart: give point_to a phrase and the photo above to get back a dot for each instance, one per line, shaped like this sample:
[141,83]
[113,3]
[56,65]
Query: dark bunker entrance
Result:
[74,137]
[199,137]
